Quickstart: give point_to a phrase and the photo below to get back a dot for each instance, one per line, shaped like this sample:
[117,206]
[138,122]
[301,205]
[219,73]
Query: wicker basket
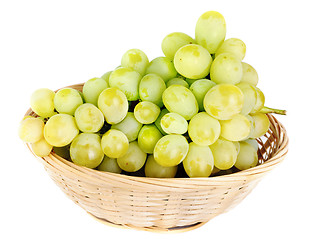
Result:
[153,204]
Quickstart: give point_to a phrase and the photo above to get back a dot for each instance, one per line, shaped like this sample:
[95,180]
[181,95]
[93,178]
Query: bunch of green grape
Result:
[197,107]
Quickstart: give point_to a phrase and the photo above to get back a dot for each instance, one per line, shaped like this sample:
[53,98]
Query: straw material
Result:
[154,204]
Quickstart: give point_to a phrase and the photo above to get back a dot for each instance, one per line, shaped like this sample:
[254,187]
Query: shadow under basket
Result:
[162,205]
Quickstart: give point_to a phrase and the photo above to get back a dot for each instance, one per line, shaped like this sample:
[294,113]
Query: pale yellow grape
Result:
[250,97]
[148,137]
[134,159]
[261,124]
[106,77]
[250,75]
[210,30]
[136,60]
[260,101]
[41,148]
[223,101]
[109,165]
[146,112]
[114,143]
[226,68]
[89,118]
[247,156]
[199,88]
[127,80]
[173,41]
[154,170]
[129,126]
[93,88]
[236,145]
[192,61]
[203,129]
[113,104]
[234,46]
[181,100]
[67,100]
[151,88]
[173,123]
[60,130]
[86,150]
[163,67]
[199,162]
[237,128]
[41,102]
[171,150]
[177,81]
[254,143]
[31,130]
[225,154]
[158,120]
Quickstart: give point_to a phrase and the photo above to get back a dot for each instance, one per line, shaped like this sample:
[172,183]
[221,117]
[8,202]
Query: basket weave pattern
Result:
[162,204]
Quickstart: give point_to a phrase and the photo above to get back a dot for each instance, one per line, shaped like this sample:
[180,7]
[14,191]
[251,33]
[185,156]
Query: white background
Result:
[58,43]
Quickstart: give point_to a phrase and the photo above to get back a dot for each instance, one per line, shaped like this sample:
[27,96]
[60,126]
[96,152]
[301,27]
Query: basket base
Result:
[150,229]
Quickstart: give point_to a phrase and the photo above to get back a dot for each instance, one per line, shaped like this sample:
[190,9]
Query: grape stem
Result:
[273,110]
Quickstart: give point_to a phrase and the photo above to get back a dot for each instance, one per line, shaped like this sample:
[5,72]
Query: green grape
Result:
[136,60]
[234,46]
[113,104]
[203,129]
[146,112]
[89,118]
[226,68]
[181,100]
[250,97]
[199,88]
[193,61]
[199,161]
[134,159]
[247,156]
[106,77]
[223,101]
[261,124]
[250,75]
[67,100]
[190,81]
[41,102]
[171,150]
[86,150]
[173,123]
[60,130]
[237,128]
[154,170]
[92,89]
[31,129]
[129,126]
[127,80]
[148,137]
[210,30]
[62,151]
[163,67]
[225,154]
[158,120]
[151,88]
[114,143]
[254,143]
[260,101]
[109,165]
[173,41]
[41,148]
[177,81]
